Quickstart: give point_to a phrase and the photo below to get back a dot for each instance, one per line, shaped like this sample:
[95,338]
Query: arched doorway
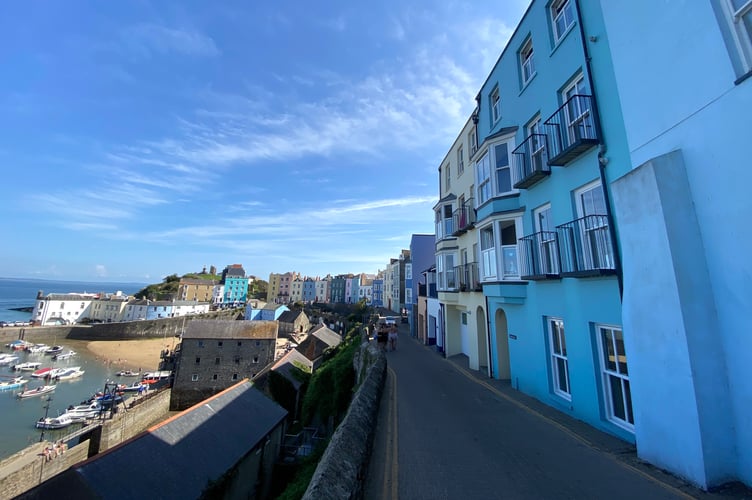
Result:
[502,346]
[480,322]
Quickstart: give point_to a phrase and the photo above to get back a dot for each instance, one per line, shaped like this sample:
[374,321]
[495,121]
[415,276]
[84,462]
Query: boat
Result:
[63,355]
[55,349]
[6,359]
[56,372]
[134,387]
[27,367]
[69,374]
[58,422]
[14,383]
[128,373]
[38,391]
[79,413]
[42,372]
[157,375]
[18,345]
[37,348]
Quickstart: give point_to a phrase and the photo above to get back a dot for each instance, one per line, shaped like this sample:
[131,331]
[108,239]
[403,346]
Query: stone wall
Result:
[343,466]
[129,422]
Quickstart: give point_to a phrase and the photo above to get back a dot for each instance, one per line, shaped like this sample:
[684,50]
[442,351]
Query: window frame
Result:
[493,261]
[487,172]
[494,100]
[527,63]
[554,357]
[460,160]
[562,6]
[607,374]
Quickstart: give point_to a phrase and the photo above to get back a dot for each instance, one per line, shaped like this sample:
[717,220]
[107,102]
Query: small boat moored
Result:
[58,422]
[37,348]
[55,349]
[27,367]
[38,391]
[128,373]
[69,374]
[42,372]
[6,359]
[14,383]
[63,355]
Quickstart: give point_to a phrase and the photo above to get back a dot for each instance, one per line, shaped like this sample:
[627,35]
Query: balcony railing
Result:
[586,247]
[571,130]
[468,276]
[539,256]
[464,218]
[530,161]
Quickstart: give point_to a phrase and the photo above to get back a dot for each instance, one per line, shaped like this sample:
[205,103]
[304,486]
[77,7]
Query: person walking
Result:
[393,338]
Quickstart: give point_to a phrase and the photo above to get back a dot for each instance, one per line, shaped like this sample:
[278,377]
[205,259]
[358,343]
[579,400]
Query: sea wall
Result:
[129,422]
[126,330]
[342,467]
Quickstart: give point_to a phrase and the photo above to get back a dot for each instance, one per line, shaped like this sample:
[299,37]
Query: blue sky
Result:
[141,139]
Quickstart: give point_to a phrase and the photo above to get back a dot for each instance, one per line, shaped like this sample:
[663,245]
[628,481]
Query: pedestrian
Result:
[393,338]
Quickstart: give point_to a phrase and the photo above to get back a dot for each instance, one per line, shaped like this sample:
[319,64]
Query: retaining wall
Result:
[343,466]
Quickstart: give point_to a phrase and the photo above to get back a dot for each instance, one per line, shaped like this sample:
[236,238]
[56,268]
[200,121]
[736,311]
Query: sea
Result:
[20,415]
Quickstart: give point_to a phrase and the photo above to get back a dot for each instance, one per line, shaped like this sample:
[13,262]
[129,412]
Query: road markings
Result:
[391,468]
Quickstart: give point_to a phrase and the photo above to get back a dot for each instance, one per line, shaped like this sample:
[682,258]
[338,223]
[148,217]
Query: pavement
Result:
[447,432]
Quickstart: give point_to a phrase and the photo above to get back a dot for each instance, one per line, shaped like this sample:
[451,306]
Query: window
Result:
[501,168]
[258,343]
[445,271]
[255,359]
[219,343]
[216,361]
[738,14]
[234,376]
[577,112]
[494,163]
[201,343]
[194,377]
[488,252]
[559,361]
[548,258]
[495,100]
[527,66]
[460,161]
[240,343]
[562,16]
[198,360]
[214,377]
[473,141]
[444,221]
[508,230]
[483,172]
[616,389]
[597,251]
[447,177]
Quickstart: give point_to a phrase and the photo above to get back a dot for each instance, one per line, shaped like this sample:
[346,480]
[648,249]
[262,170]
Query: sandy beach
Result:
[129,354]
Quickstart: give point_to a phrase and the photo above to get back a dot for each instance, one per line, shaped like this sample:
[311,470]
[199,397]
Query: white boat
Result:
[6,359]
[54,422]
[70,374]
[134,387]
[18,345]
[63,355]
[14,383]
[157,375]
[38,391]
[128,373]
[80,413]
[37,348]
[55,349]
[56,372]
[29,366]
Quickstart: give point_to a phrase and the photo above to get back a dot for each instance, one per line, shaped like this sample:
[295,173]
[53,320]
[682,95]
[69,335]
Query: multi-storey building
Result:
[543,236]
[685,92]
[337,285]
[309,290]
[377,292]
[235,285]
[321,290]
[395,282]
[280,286]
[217,354]
[421,258]
[61,308]
[160,309]
[109,308]
[296,290]
[196,289]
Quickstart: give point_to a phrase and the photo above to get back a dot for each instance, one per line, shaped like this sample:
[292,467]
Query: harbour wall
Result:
[126,330]
[28,468]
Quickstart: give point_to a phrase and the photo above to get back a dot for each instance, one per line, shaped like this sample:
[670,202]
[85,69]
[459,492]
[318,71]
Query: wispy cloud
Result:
[147,40]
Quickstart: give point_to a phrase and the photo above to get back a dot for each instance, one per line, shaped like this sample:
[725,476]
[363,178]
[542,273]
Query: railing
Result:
[464,218]
[586,247]
[539,256]
[530,161]
[468,277]
[571,130]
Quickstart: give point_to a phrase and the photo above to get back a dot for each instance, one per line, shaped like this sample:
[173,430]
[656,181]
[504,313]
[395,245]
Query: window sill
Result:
[561,38]
[527,83]
[743,77]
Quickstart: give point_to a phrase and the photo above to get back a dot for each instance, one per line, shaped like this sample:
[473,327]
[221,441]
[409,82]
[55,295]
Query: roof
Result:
[230,329]
[198,281]
[328,335]
[285,366]
[290,316]
[178,458]
[271,306]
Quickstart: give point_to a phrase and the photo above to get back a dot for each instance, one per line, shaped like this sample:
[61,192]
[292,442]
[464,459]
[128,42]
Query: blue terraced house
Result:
[377,292]
[544,234]
[235,285]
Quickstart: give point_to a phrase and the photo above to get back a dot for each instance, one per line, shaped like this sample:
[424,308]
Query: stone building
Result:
[196,289]
[216,354]
[293,322]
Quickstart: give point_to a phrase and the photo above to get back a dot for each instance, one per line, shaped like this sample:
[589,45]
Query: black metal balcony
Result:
[468,277]
[530,161]
[586,247]
[571,130]
[539,256]
[464,218]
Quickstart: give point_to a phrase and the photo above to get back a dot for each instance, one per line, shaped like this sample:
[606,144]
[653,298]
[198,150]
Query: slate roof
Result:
[289,316]
[271,306]
[177,458]
[198,281]
[230,329]
[285,366]
[316,343]
[329,336]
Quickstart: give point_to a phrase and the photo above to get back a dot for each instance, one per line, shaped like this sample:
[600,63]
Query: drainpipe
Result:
[488,337]
[602,159]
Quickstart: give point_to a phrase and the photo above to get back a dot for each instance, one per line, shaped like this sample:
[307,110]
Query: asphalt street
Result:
[445,432]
